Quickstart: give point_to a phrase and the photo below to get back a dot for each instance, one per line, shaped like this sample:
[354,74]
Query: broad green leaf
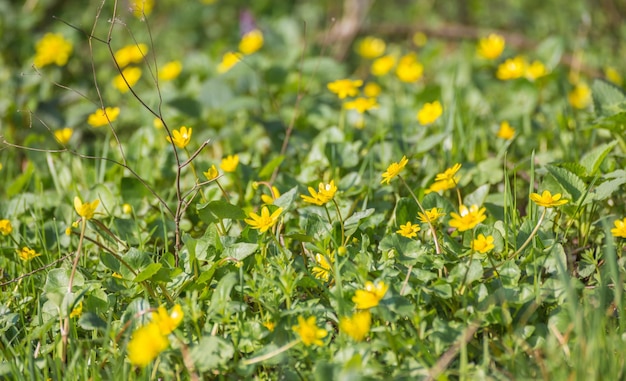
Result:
[148,272]
[269,168]
[287,199]
[608,99]
[593,158]
[478,196]
[214,211]
[407,249]
[211,353]
[569,181]
[608,188]
[91,321]
[406,210]
[240,250]
[132,190]
[352,222]
[20,182]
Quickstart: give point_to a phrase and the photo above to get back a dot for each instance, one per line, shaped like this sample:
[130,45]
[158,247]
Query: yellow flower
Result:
[167,322]
[620,228]
[26,254]
[87,209]
[370,296]
[506,132]
[535,70]
[130,54]
[141,8]
[613,75]
[53,48]
[512,68]
[483,244]
[117,275]
[309,332]
[431,215]
[345,87]
[77,311]
[445,180]
[270,325]
[325,193]
[371,47]
[490,47]
[393,170]
[547,200]
[251,42]
[68,231]
[408,230]
[5,227]
[383,65]
[264,221]
[372,90]
[449,174]
[229,60]
[63,135]
[409,69]
[131,74]
[467,218]
[126,208]
[170,70]
[230,163]
[157,123]
[357,326]
[180,137]
[269,199]
[211,173]
[102,117]
[440,186]
[429,113]
[322,270]
[580,97]
[420,39]
[146,344]
[361,104]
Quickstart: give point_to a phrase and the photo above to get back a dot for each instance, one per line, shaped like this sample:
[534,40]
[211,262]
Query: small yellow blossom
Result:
[372,90]
[102,117]
[420,39]
[467,219]
[77,311]
[490,47]
[393,170]
[146,344]
[229,60]
[5,227]
[408,230]
[580,96]
[309,332]
[130,54]
[445,180]
[325,193]
[117,275]
[449,174]
[383,65]
[230,163]
[409,69]
[371,47]
[26,254]
[370,296]
[506,132]
[357,326]
[63,135]
[126,208]
[167,322]
[361,104]
[251,42]
[429,113]
[141,8]
[180,137]
[270,325]
[323,266]
[269,199]
[345,87]
[431,215]
[211,173]
[535,70]
[158,123]
[53,48]
[483,244]
[170,70]
[613,75]
[512,68]
[129,75]
[441,185]
[547,200]
[68,231]
[264,221]
[86,210]
[620,228]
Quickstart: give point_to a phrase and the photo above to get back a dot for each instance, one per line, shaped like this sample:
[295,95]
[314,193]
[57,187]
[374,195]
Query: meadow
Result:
[312,190]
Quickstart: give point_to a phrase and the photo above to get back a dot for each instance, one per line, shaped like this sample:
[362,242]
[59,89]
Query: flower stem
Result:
[532,234]
[271,354]
[428,221]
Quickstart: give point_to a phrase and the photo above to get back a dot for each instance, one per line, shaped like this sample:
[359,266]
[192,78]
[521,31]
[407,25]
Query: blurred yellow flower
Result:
[409,69]
[126,208]
[168,322]
[325,193]
[63,135]
[431,215]
[613,75]
[345,87]
[211,173]
[308,331]
[490,47]
[449,174]
[180,137]
[157,123]
[483,244]
[5,227]
[269,199]
[441,185]
[52,48]
[506,132]
[251,42]
[270,325]
[580,96]
[170,70]
[408,230]
[130,54]
[383,65]
[370,296]
[77,311]
[393,170]
[445,180]
[86,210]
[131,74]
[230,163]
[512,68]
[229,60]
[547,200]
[535,70]
[146,344]
[420,39]
[264,221]
[371,47]
[102,117]
[467,219]
[357,326]
[361,104]
[620,228]
[372,90]
[429,113]
[141,8]
[26,254]
[322,269]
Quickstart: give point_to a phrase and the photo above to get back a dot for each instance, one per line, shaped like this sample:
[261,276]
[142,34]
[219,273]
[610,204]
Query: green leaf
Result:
[407,249]
[269,168]
[608,188]
[240,250]
[91,321]
[56,286]
[406,210]
[148,272]
[21,180]
[352,222]
[215,211]
[478,196]
[593,159]
[211,353]
[608,99]
[569,181]
[287,199]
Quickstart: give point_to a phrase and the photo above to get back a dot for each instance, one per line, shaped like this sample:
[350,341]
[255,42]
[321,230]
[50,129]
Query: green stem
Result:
[532,234]
[428,221]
